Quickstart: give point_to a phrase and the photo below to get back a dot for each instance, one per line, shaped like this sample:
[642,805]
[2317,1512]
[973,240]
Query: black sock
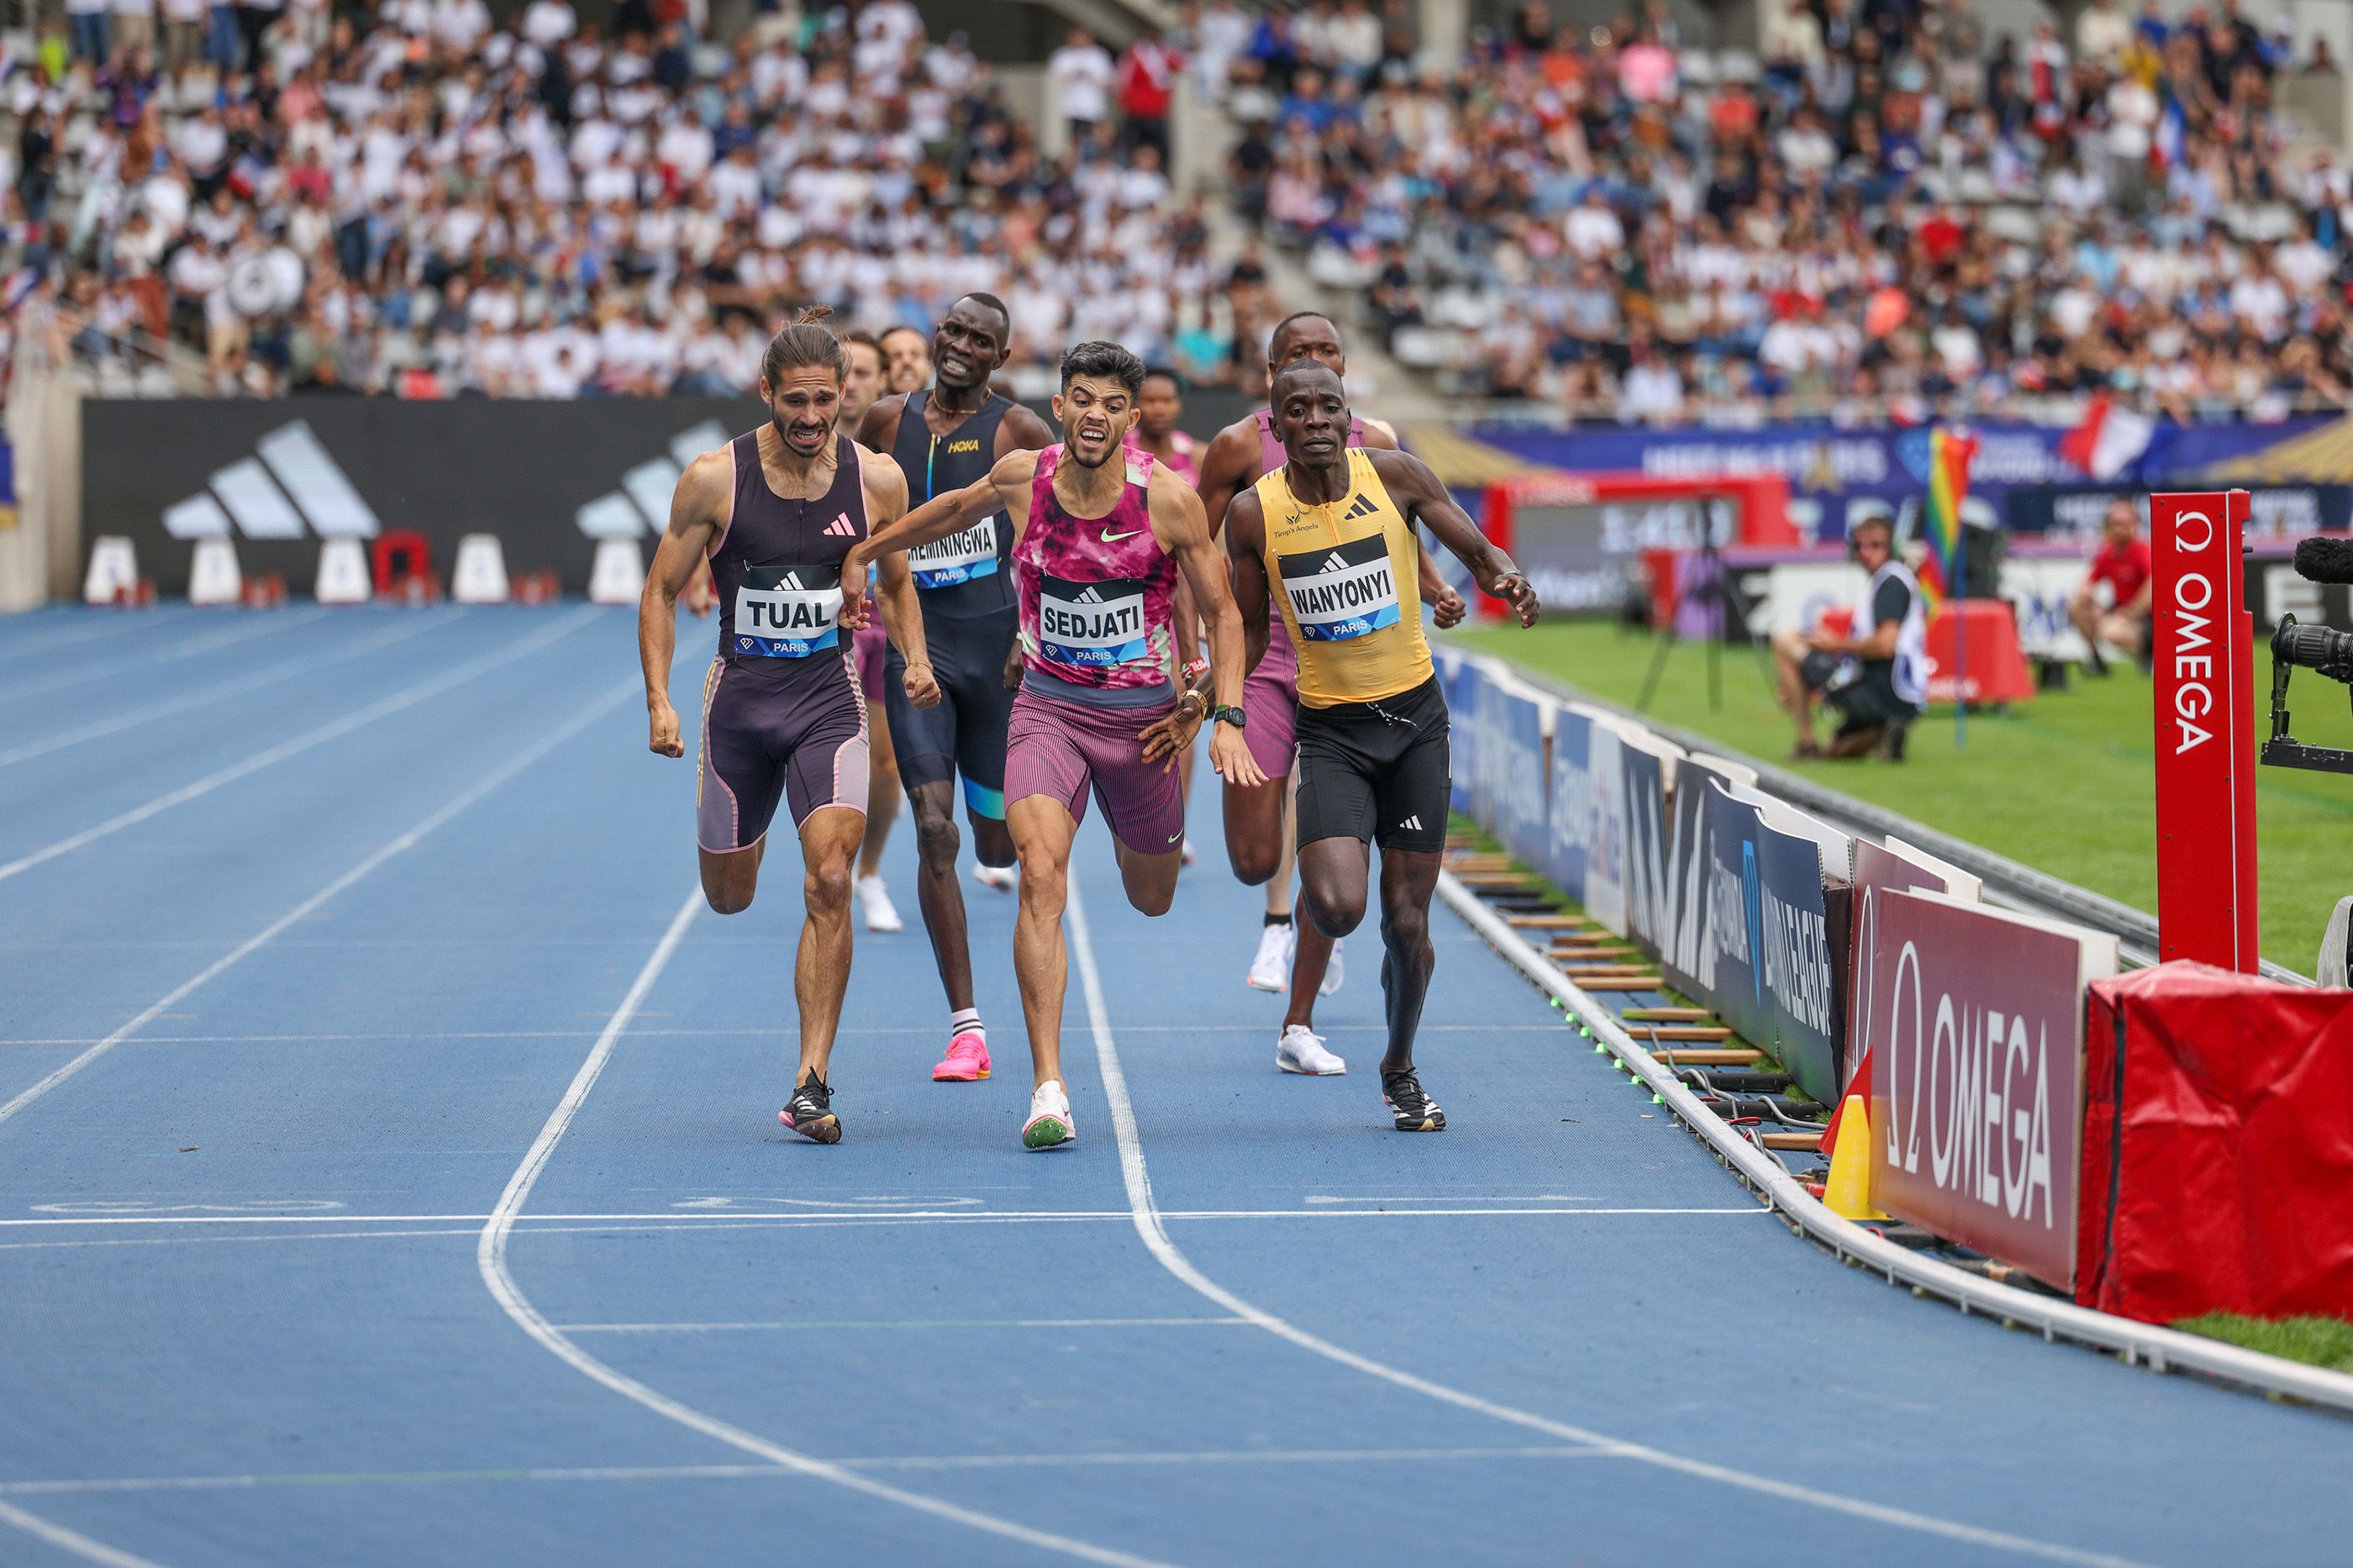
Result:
[1278,919]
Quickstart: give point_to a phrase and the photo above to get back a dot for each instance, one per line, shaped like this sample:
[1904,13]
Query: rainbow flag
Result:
[1950,454]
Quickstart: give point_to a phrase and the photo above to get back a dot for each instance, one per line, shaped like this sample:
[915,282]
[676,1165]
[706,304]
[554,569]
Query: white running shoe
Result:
[1000,878]
[1271,970]
[881,915]
[1049,1124]
[1333,973]
[1301,1050]
[1184,856]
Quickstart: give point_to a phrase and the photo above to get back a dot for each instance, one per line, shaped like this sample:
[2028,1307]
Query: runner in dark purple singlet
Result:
[777,513]
[1102,533]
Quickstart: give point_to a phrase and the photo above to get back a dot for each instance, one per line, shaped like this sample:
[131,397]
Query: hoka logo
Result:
[1362,506]
[970,445]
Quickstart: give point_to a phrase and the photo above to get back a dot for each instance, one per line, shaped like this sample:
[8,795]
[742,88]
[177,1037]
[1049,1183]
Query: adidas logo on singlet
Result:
[1362,506]
[839,527]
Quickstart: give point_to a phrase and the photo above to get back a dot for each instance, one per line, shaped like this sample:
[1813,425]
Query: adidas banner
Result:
[548,480]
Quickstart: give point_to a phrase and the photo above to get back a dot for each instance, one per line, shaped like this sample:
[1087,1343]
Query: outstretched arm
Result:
[902,616]
[935,518]
[1413,487]
[705,488]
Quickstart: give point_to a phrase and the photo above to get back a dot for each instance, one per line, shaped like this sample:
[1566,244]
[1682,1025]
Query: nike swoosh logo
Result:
[1111,538]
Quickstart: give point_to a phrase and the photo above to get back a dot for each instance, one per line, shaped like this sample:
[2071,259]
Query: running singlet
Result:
[1347,582]
[1279,662]
[1096,592]
[778,567]
[962,575]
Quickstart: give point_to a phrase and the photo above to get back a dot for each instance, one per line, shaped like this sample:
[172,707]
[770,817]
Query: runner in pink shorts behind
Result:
[1101,533]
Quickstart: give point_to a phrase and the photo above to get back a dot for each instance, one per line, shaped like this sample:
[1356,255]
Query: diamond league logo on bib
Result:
[1092,624]
[1344,591]
[959,558]
[787,612]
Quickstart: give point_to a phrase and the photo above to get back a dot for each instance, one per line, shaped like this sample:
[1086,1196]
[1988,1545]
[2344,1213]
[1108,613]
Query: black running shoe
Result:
[810,1113]
[1415,1112]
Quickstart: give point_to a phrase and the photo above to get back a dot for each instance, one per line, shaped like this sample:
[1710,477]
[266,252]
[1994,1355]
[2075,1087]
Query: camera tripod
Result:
[1713,590]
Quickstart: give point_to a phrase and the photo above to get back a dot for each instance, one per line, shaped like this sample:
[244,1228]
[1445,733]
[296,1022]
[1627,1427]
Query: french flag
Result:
[2109,440]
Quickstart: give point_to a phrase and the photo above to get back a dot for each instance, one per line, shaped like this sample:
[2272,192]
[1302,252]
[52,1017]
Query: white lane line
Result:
[737,1219]
[1147,1218]
[490,1257]
[382,708]
[71,1540]
[773,1472]
[259,939]
[911,1323]
[267,676]
[205,644]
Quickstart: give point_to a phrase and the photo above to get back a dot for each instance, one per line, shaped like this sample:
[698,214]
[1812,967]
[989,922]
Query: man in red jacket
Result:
[1147,81]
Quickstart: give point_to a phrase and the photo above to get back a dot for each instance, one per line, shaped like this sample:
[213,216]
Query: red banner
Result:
[2205,730]
[1976,1035]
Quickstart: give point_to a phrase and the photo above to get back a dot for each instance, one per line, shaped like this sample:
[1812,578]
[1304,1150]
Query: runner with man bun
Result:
[777,513]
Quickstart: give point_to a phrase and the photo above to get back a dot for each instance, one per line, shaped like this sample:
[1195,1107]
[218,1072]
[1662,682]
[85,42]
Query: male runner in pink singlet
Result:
[778,513]
[1101,535]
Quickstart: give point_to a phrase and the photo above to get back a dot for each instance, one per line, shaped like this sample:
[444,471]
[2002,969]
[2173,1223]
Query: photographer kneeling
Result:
[1876,676]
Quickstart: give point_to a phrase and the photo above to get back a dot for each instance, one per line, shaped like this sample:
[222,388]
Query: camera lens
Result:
[2315,648]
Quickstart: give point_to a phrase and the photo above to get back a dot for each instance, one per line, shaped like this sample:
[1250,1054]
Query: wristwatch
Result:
[1228,714]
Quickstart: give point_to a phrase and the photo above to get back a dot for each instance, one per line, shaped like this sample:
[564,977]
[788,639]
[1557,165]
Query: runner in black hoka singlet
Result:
[776,513]
[943,441]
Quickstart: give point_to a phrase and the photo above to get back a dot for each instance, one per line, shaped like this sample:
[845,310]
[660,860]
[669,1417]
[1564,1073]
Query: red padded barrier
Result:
[2217,1147]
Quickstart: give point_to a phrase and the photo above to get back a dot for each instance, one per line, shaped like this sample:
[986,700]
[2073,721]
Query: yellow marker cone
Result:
[1848,1192]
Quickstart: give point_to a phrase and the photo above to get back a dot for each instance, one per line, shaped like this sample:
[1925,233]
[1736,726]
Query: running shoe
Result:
[810,1111]
[1333,971]
[1184,856]
[1415,1112]
[966,1062]
[1301,1050]
[1049,1122]
[1271,970]
[998,877]
[881,915]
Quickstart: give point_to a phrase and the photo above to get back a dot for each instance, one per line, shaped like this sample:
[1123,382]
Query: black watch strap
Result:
[1227,715]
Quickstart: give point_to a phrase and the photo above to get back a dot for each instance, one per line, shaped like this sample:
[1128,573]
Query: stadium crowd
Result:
[1880,214]
[409,198]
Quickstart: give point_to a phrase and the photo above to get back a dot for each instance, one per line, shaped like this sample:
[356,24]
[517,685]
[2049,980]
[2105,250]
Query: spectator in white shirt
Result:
[1652,389]
[1082,72]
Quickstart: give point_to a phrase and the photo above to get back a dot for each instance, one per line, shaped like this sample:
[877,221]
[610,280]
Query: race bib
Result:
[787,612]
[1342,592]
[1091,625]
[958,558]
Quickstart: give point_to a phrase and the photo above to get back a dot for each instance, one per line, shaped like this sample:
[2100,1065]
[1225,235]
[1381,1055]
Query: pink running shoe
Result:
[966,1062]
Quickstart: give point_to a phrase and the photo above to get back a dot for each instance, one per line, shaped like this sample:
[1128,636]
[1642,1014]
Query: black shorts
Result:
[1862,692]
[964,732]
[1376,772]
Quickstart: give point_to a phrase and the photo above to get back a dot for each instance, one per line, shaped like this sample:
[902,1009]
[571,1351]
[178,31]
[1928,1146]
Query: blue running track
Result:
[390,1174]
